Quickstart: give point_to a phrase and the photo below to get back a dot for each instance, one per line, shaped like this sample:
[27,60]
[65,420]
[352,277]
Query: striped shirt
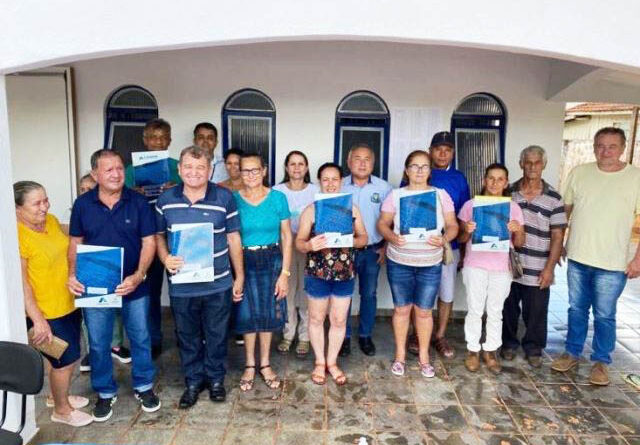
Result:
[217,207]
[542,214]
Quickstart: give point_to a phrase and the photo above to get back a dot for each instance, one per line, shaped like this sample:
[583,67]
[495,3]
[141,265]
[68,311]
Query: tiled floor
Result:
[521,405]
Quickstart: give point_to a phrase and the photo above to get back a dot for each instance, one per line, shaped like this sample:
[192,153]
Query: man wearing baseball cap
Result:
[445,176]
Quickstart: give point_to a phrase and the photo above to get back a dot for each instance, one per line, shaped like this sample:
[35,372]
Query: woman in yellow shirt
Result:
[49,305]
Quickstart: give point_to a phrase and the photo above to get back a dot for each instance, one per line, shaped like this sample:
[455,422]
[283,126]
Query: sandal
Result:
[302,348]
[442,346]
[247,385]
[397,368]
[272,383]
[339,378]
[284,346]
[319,379]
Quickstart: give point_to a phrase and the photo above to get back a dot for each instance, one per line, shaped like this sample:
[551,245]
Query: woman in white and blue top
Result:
[299,191]
[414,266]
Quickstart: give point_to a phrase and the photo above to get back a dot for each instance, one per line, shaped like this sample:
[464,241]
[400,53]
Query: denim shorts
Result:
[414,285]
[68,329]
[319,288]
[259,311]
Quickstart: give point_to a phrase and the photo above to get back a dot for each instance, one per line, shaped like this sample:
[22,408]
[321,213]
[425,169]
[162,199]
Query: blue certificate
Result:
[150,168]
[194,243]
[491,215]
[99,269]
[334,218]
[418,214]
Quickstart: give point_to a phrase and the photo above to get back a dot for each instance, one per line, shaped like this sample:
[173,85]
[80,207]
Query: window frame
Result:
[114,115]
[363,120]
[226,134]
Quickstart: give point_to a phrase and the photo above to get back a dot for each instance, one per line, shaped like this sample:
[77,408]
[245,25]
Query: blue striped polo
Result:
[217,207]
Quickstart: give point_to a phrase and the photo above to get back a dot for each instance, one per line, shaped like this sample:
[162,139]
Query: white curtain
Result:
[411,129]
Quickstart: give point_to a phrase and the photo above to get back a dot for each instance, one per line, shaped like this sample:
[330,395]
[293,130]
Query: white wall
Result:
[307,80]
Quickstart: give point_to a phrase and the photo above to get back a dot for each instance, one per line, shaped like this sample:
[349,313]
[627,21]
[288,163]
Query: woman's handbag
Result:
[515,264]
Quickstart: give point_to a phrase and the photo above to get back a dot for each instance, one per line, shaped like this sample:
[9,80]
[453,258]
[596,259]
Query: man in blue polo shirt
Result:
[201,310]
[114,215]
[368,193]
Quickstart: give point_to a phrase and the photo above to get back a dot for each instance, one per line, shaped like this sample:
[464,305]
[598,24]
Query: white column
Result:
[12,324]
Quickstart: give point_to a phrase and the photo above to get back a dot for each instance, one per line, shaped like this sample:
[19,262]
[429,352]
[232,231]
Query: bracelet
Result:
[286,272]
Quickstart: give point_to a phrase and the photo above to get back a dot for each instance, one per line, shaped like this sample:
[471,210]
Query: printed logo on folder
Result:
[150,170]
[491,215]
[334,218]
[99,269]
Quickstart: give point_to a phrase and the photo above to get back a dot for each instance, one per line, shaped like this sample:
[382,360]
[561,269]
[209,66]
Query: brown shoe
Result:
[535,361]
[444,349]
[413,346]
[491,360]
[564,363]
[599,374]
[472,361]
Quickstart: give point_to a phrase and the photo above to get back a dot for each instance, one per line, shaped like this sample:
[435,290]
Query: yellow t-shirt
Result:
[47,267]
[604,205]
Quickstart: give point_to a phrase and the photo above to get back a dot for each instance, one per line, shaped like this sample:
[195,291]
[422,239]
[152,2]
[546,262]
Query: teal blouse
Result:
[260,224]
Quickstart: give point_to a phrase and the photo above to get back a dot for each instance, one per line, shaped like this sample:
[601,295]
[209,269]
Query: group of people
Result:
[275,273]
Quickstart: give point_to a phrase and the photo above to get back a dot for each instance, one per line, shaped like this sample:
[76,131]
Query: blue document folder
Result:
[334,218]
[418,215]
[99,269]
[491,215]
[150,168]
[194,244]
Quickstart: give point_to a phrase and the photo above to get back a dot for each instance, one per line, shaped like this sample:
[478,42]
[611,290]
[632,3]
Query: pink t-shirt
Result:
[495,261]
[416,254]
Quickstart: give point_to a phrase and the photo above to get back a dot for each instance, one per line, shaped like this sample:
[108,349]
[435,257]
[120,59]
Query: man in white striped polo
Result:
[544,222]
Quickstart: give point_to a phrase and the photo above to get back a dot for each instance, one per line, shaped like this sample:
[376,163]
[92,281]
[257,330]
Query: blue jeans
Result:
[201,327]
[600,289]
[367,270]
[99,323]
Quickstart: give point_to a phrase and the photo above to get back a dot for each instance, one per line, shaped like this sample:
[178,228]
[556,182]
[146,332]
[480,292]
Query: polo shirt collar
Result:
[352,183]
[210,194]
[125,195]
[518,185]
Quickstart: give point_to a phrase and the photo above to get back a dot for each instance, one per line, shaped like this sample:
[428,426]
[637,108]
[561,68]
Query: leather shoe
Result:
[217,393]
[367,346]
[189,397]
[345,349]
[507,354]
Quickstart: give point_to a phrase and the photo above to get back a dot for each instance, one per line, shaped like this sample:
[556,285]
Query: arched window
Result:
[362,116]
[478,125]
[249,123]
[126,111]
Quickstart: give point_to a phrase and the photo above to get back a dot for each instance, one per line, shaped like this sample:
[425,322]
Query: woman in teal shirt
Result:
[267,246]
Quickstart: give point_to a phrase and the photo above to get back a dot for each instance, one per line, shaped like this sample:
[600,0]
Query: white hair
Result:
[533,149]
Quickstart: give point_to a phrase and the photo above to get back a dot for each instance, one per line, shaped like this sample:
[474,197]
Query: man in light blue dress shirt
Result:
[205,136]
[368,193]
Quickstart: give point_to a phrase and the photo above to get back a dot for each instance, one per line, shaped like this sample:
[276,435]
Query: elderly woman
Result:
[49,305]
[267,243]
[329,280]
[414,267]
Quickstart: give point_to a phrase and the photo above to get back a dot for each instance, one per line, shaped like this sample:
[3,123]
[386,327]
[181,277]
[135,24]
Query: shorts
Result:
[414,285]
[68,329]
[319,288]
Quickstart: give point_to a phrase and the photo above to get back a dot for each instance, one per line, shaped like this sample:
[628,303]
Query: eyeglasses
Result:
[251,171]
[415,168]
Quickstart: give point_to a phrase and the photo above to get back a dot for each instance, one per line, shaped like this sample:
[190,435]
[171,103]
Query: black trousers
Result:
[535,305]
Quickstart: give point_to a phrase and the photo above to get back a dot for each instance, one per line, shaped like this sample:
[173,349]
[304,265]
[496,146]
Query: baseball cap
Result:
[442,138]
